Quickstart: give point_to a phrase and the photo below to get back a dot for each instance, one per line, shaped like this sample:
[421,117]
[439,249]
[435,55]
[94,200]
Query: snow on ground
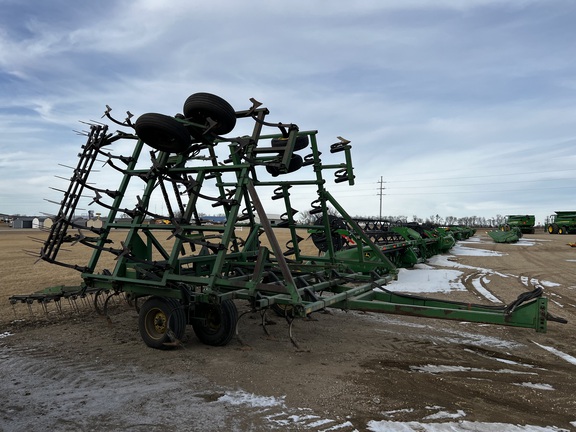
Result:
[460,250]
[421,279]
[275,411]
[425,279]
[387,426]
[558,353]
[429,279]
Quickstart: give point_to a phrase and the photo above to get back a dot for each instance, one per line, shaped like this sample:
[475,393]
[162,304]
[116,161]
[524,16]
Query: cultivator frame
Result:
[190,270]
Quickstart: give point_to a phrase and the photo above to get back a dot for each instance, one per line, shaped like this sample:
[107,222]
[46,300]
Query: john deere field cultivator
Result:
[181,269]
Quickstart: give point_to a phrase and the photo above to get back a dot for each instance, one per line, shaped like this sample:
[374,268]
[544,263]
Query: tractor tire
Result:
[162,323]
[162,132]
[295,164]
[553,229]
[216,324]
[201,106]
[561,230]
[300,143]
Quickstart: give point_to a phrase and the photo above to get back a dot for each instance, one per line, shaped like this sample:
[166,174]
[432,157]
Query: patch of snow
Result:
[477,284]
[445,415]
[434,369]
[427,280]
[444,261]
[250,399]
[473,239]
[474,339]
[394,412]
[459,250]
[5,335]
[346,424]
[501,360]
[558,353]
[535,386]
[549,284]
[387,426]
[524,242]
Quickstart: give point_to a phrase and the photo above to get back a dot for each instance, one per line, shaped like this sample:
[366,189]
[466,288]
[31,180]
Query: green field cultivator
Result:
[404,244]
[181,269]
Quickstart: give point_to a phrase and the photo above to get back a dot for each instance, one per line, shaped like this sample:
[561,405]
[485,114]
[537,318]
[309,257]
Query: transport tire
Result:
[217,325]
[162,322]
[162,132]
[201,106]
[295,164]
[300,143]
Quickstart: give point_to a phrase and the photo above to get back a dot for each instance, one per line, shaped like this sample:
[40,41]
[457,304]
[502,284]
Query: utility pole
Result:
[381,192]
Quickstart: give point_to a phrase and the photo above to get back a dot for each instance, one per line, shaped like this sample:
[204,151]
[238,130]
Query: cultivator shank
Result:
[190,270]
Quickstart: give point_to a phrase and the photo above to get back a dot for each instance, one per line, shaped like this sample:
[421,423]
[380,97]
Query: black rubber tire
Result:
[561,230]
[199,106]
[301,142]
[218,323]
[295,164]
[162,132]
[162,323]
[553,229]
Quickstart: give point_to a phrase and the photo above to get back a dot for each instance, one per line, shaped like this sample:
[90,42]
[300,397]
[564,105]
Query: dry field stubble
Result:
[21,273]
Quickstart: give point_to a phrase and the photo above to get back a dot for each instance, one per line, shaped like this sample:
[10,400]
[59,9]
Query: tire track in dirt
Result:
[68,394]
[476,283]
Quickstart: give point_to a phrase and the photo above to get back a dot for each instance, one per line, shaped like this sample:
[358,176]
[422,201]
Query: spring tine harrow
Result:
[188,270]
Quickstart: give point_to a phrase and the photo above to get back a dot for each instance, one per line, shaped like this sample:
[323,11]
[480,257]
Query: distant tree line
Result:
[306,218]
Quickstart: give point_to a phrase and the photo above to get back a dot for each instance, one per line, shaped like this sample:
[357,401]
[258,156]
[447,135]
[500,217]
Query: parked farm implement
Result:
[511,235]
[185,271]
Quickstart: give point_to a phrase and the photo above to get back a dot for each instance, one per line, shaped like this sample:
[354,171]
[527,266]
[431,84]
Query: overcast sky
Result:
[462,107]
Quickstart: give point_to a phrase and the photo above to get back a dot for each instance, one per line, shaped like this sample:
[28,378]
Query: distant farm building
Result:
[94,223]
[41,222]
[22,222]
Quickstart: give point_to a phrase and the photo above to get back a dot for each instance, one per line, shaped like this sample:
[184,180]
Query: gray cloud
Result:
[438,95]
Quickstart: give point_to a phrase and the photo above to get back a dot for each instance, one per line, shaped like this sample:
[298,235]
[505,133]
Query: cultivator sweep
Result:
[188,270]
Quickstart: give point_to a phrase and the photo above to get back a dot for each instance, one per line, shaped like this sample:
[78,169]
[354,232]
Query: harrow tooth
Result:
[290,333]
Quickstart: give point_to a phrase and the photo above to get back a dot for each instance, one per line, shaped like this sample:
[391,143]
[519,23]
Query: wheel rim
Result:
[156,323]
[213,320]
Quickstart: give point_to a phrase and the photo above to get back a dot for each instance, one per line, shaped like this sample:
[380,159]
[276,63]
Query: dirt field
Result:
[352,371]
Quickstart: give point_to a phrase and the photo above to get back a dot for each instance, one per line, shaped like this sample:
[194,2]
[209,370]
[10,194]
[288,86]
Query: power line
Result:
[528,173]
[483,184]
[458,192]
[479,176]
[381,190]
